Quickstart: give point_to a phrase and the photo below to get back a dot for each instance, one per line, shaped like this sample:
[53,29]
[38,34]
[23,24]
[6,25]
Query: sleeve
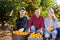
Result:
[42,22]
[30,22]
[56,23]
[17,25]
[46,25]
[26,23]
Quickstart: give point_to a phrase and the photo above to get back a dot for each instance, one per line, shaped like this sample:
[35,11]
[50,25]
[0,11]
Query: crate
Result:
[35,38]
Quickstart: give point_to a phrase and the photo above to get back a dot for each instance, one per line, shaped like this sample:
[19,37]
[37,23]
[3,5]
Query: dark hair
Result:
[36,9]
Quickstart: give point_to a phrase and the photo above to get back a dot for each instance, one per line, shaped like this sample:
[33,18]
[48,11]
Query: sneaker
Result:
[47,39]
[53,39]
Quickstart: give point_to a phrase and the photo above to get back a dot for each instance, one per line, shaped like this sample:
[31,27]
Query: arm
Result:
[26,23]
[30,23]
[46,24]
[56,24]
[17,24]
[42,23]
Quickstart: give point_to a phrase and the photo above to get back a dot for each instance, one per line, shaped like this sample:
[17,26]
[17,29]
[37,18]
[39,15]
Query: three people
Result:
[51,21]
[36,22]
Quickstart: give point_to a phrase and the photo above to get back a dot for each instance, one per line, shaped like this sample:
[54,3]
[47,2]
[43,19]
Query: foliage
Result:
[6,6]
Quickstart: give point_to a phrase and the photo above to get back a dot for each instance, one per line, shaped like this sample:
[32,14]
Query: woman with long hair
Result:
[51,24]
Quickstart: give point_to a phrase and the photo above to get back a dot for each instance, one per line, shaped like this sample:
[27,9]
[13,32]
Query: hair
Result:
[53,18]
[36,9]
[52,11]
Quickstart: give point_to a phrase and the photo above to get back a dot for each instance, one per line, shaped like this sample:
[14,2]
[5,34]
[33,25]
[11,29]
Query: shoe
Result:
[47,39]
[53,39]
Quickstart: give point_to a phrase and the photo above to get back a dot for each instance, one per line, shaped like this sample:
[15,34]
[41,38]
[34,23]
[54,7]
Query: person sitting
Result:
[22,20]
[51,25]
[36,22]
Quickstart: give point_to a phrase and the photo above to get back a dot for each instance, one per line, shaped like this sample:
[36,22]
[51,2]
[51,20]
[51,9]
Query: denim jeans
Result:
[33,29]
[53,33]
[58,32]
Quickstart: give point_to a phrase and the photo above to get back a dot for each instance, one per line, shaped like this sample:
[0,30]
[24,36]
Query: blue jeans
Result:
[58,32]
[53,33]
[33,29]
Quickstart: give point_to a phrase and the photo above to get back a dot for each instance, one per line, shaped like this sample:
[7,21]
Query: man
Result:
[36,22]
[22,20]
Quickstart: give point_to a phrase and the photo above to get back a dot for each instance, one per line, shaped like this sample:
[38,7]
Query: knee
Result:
[54,32]
[47,35]
[32,27]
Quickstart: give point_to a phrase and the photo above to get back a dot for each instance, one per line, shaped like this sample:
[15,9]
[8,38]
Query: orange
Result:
[33,35]
[50,28]
[20,33]
[40,36]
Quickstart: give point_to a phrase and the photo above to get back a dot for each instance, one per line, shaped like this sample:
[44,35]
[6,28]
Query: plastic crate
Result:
[35,38]
[19,37]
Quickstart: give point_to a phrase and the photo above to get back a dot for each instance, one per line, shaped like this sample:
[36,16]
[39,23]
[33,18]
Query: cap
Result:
[22,8]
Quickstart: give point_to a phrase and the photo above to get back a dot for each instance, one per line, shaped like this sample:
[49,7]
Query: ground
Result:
[7,35]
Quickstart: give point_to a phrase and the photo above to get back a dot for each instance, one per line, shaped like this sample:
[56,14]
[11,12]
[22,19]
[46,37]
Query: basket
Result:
[19,37]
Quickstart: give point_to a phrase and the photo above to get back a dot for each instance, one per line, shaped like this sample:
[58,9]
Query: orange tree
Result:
[12,6]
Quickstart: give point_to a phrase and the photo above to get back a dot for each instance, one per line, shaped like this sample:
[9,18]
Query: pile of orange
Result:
[50,28]
[20,33]
[34,35]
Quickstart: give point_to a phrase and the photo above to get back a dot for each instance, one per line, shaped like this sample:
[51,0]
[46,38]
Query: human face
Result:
[37,12]
[22,12]
[50,14]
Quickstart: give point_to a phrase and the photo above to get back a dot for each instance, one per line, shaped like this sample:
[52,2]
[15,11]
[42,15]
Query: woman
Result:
[51,22]
[22,20]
